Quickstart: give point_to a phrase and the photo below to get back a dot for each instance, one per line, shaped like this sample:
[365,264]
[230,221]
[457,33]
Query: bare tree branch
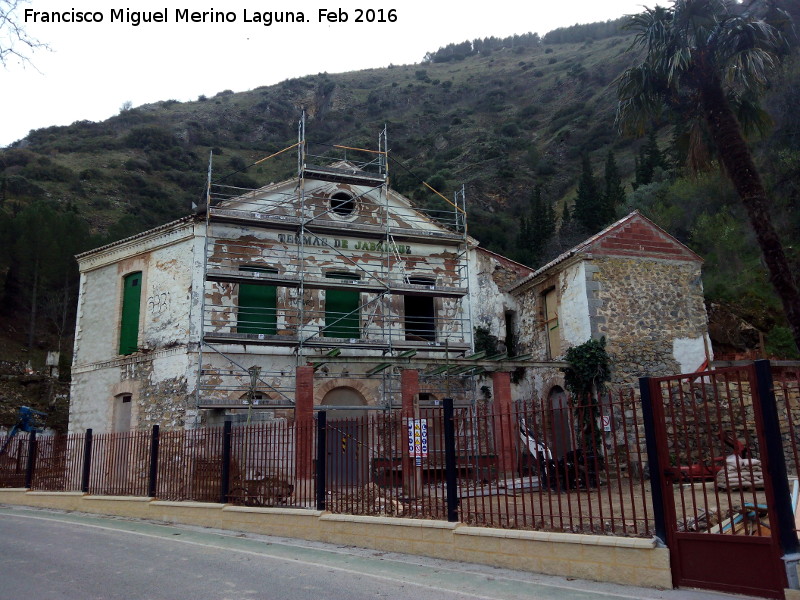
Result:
[15,43]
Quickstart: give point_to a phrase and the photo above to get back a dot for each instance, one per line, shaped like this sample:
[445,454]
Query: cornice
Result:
[135,359]
[175,232]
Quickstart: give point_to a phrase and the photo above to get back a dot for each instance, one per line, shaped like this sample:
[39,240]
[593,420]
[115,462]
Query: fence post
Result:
[451,485]
[322,455]
[87,461]
[776,469]
[225,479]
[31,459]
[152,481]
[652,459]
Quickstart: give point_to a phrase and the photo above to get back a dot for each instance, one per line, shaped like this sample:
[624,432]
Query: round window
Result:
[343,204]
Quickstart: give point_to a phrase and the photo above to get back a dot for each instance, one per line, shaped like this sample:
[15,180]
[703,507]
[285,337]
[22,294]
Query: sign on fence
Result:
[605,422]
[418,438]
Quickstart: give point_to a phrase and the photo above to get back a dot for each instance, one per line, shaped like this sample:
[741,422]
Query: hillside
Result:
[501,117]
[498,122]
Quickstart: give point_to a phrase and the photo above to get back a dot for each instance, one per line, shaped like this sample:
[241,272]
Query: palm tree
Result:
[708,62]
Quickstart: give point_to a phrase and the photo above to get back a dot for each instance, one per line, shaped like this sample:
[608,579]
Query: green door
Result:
[342,313]
[129,324]
[257,305]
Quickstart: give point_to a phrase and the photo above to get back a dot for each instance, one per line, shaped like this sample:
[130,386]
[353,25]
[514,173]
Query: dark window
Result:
[257,305]
[511,342]
[552,331]
[129,323]
[342,309]
[343,204]
[420,315]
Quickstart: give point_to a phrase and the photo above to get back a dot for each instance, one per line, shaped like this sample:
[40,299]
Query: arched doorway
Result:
[560,432]
[347,437]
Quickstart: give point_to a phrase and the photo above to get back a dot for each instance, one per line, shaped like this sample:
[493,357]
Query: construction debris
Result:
[741,473]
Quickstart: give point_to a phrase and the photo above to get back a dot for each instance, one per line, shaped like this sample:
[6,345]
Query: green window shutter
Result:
[257,305]
[342,314]
[129,325]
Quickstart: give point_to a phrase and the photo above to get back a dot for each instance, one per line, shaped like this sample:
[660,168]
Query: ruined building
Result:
[328,285]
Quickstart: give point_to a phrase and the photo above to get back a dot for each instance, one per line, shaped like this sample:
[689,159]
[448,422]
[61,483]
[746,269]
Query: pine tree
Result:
[614,193]
[542,223]
[524,252]
[655,158]
[587,203]
[537,226]
[649,159]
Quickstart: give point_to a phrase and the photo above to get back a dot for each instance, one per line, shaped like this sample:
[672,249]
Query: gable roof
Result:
[282,201]
[633,235]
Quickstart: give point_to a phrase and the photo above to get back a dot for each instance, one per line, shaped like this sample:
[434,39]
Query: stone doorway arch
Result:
[347,437]
[561,438]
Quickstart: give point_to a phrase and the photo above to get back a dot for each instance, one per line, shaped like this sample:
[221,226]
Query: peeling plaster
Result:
[689,353]
[573,305]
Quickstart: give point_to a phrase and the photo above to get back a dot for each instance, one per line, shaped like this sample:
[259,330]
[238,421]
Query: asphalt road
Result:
[51,555]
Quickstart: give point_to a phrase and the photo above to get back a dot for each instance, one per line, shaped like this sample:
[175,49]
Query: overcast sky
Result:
[93,68]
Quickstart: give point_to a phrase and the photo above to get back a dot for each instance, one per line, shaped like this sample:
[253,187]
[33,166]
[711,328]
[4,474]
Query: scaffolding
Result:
[334,262]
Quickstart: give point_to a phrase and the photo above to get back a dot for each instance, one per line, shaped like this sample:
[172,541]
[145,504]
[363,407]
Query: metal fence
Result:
[189,465]
[527,468]
[14,463]
[532,467]
[59,463]
[546,465]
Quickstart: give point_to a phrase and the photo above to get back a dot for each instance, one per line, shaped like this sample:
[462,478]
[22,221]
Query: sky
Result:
[92,68]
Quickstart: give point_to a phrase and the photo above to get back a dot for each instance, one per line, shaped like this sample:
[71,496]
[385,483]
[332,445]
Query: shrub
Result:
[46,170]
[150,137]
[19,186]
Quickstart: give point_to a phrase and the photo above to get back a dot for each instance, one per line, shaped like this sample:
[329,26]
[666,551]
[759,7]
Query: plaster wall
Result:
[574,324]
[97,327]
[573,306]
[372,262]
[91,400]
[489,276]
[158,376]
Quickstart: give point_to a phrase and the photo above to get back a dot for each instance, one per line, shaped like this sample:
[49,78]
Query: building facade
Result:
[633,284]
[211,315]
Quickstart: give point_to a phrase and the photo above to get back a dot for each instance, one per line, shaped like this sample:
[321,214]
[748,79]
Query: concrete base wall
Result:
[631,561]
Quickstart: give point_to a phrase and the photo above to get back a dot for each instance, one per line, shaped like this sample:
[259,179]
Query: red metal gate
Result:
[720,518]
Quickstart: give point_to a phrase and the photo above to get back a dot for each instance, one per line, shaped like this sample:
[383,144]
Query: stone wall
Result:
[652,315]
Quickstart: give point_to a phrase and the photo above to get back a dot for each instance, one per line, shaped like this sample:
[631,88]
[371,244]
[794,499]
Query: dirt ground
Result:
[616,507]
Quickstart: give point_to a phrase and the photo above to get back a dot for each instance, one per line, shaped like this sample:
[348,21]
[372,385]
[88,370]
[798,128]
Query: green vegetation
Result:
[511,118]
[707,64]
[588,371]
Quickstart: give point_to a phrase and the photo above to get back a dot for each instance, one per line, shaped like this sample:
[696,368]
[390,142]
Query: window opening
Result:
[257,305]
[122,413]
[342,309]
[551,323]
[511,340]
[343,204]
[560,436]
[129,323]
[420,314]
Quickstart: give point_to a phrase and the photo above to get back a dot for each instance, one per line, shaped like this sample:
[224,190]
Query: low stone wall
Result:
[631,561]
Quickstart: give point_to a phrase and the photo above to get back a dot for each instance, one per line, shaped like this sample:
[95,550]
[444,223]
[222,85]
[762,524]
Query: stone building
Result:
[218,311]
[632,283]
[330,289]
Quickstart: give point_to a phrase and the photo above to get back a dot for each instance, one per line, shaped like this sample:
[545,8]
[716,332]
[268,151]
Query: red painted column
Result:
[304,422]
[409,387]
[503,426]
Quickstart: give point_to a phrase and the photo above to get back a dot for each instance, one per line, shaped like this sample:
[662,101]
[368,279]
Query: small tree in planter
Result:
[588,371]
